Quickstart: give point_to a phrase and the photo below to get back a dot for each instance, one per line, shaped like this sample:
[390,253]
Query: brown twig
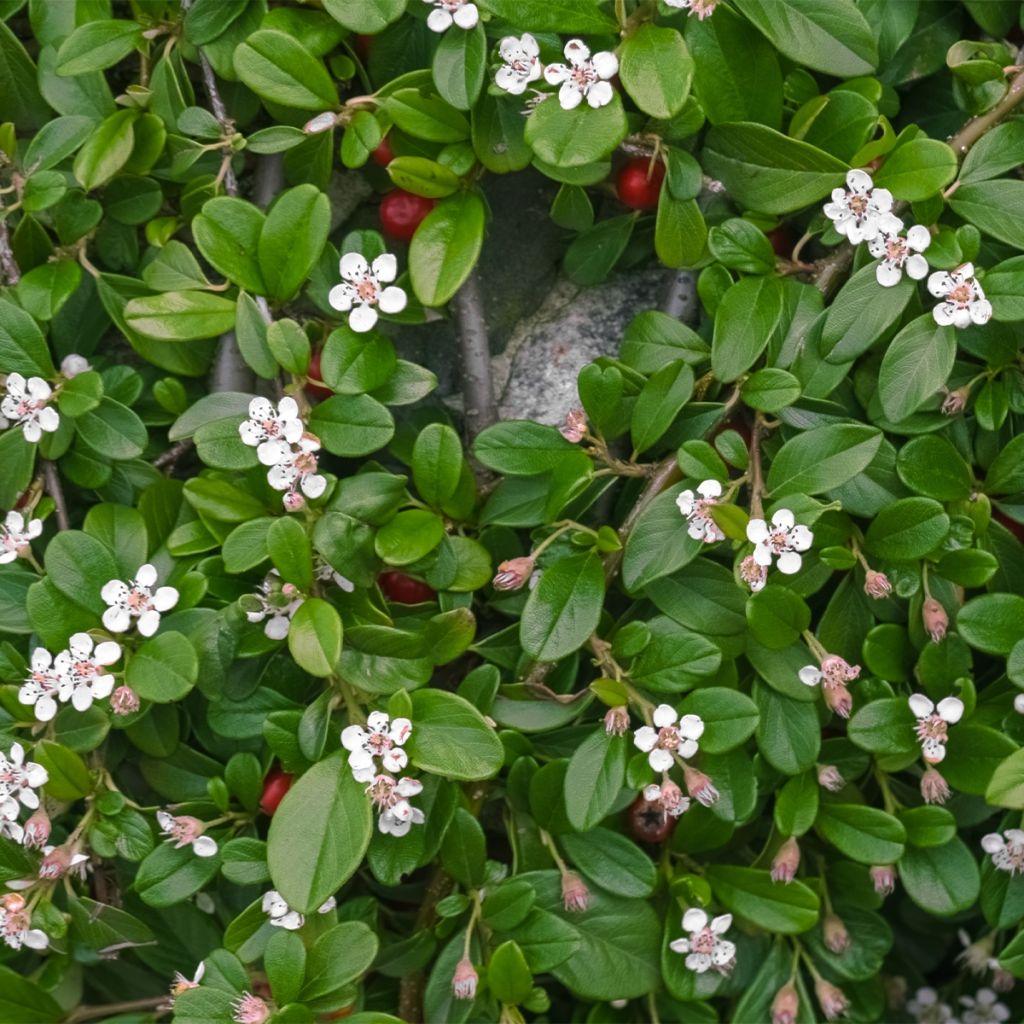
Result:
[8,264]
[756,474]
[113,1009]
[169,459]
[477,386]
[55,491]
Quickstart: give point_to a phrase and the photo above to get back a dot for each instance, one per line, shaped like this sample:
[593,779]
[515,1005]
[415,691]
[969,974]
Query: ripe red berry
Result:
[383,154]
[638,184]
[275,785]
[403,589]
[315,373]
[648,823]
[401,213]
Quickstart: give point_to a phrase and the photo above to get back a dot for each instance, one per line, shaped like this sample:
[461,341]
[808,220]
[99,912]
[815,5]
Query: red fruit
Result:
[314,372]
[648,823]
[401,213]
[638,184]
[782,241]
[275,785]
[383,154]
[403,589]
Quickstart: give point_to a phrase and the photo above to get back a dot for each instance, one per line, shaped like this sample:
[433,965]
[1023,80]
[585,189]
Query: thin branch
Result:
[55,491]
[113,1009]
[477,385]
[680,299]
[9,269]
[169,459]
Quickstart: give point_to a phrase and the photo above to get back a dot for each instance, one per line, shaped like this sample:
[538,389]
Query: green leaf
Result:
[740,245]
[459,65]
[564,607]
[884,727]
[106,150]
[22,1001]
[796,804]
[863,312]
[423,177]
[163,669]
[992,622]
[278,68]
[993,207]
[69,777]
[573,138]
[181,316]
[437,463]
[508,975]
[445,248]
[864,834]
[1006,788]
[366,16]
[931,466]
[788,734]
[450,737]
[659,403]
[658,545]
[227,232]
[777,616]
[319,834]
[521,448]
[314,637]
[170,875]
[594,778]
[611,861]
[907,529]
[751,894]
[287,543]
[656,70]
[918,169]
[97,45]
[352,425]
[338,957]
[464,850]
[284,960]
[409,536]
[942,880]
[730,717]
[292,240]
[426,117]
[593,253]
[749,315]
[22,345]
[822,459]
[552,15]
[20,101]
[770,390]
[999,150]
[915,365]
[1005,474]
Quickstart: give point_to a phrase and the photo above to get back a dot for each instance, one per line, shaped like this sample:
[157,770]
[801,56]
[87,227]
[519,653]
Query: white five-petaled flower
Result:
[271,431]
[672,735]
[584,77]
[81,669]
[16,924]
[927,1009]
[26,403]
[964,302]
[860,211]
[697,511]
[184,830]
[702,8]
[282,916]
[381,738]
[1007,849]
[451,12]
[274,602]
[896,254]
[16,535]
[361,290]
[19,780]
[297,472]
[522,64]
[984,1008]
[783,540]
[136,599]
[42,685]
[705,947]
[933,723]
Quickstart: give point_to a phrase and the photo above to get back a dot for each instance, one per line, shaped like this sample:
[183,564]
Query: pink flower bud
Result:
[321,123]
[511,575]
[935,619]
[830,778]
[464,980]
[699,786]
[786,862]
[955,401]
[838,698]
[294,502]
[832,1000]
[124,701]
[250,1009]
[37,830]
[574,428]
[1002,980]
[883,877]
[56,863]
[575,894]
[837,938]
[752,574]
[877,585]
[786,1005]
[616,720]
[934,788]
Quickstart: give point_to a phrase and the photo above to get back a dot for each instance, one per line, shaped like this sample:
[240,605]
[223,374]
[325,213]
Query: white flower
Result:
[274,602]
[522,64]
[933,722]
[26,403]
[391,822]
[927,1009]
[861,211]
[783,540]
[324,571]
[19,780]
[1007,849]
[702,8]
[1018,703]
[449,12]
[15,536]
[964,301]
[583,76]
[184,830]
[668,796]
[42,686]
[897,254]
[298,472]
[9,828]
[381,738]
[984,1008]
[705,948]
[81,670]
[697,511]
[673,735]
[362,289]
[271,431]
[16,924]
[282,916]
[72,365]
[137,600]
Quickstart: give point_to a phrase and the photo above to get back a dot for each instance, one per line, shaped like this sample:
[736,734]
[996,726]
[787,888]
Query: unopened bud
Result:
[575,894]
[124,701]
[955,401]
[883,877]
[37,830]
[877,585]
[832,1000]
[574,428]
[837,938]
[464,980]
[935,619]
[699,786]
[1002,980]
[934,788]
[786,862]
[56,863]
[321,123]
[72,365]
[1018,703]
[838,698]
[511,575]
[830,778]
[786,1005]
[294,502]
[616,720]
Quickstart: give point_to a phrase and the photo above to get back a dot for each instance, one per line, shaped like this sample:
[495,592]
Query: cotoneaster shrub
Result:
[322,701]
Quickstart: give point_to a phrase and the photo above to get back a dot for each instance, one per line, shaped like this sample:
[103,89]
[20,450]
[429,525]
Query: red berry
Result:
[275,785]
[403,589]
[638,184]
[383,154]
[782,241]
[314,373]
[648,823]
[401,213]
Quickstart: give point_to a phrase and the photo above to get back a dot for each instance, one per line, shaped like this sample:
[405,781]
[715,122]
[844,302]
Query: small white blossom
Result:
[451,12]
[926,1008]
[271,431]
[1007,849]
[391,797]
[522,64]
[783,540]
[81,668]
[42,686]
[297,474]
[19,780]
[381,738]
[583,77]
[361,289]
[184,830]
[136,599]
[274,602]
[16,924]
[282,916]
[697,511]
[896,254]
[861,211]
[702,8]
[984,1008]
[72,365]
[1018,703]
[673,735]
[705,948]
[668,796]
[964,302]
[325,572]
[933,723]
[26,403]
[16,535]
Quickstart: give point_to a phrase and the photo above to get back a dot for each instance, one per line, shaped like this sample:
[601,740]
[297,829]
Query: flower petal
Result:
[920,705]
[950,709]
[362,319]
[694,920]
[664,715]
[353,265]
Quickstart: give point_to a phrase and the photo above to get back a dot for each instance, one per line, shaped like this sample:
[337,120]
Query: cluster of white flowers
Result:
[696,508]
[77,674]
[1006,849]
[273,604]
[585,76]
[16,536]
[784,540]
[284,445]
[863,213]
[16,924]
[383,739]
[365,288]
[933,723]
[282,916]
[27,403]
[983,1007]
[19,780]
[705,948]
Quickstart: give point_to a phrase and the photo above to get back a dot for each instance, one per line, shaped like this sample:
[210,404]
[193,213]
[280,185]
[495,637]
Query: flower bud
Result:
[294,502]
[1002,980]
[934,788]
[511,575]
[838,698]
[830,778]
[699,786]
[72,365]
[575,426]
[786,1005]
[832,1000]
[616,720]
[464,980]
[1018,703]
[321,123]
[786,862]
[955,401]
[883,877]
[752,574]
[575,894]
[877,585]
[124,701]
[935,619]
[837,938]
[37,830]
[56,863]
